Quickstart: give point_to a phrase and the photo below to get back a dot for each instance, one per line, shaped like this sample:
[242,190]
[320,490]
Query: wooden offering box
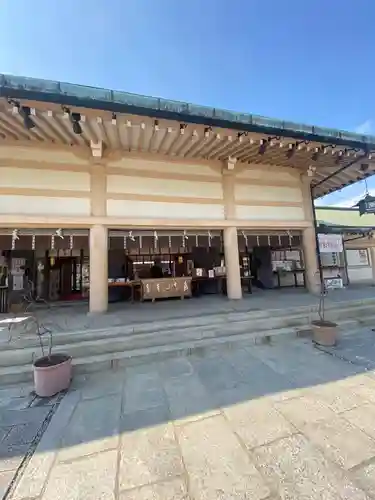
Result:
[164,288]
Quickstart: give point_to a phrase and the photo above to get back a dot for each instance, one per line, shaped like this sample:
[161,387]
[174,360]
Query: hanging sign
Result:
[330,243]
[367,205]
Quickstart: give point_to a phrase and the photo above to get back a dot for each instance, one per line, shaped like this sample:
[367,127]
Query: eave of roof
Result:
[18,87]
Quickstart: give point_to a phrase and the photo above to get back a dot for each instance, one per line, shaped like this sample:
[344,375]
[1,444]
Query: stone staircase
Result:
[120,346]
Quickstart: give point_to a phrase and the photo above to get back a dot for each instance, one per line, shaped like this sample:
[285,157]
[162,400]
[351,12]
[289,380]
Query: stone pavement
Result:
[282,421]
[357,348]
[23,417]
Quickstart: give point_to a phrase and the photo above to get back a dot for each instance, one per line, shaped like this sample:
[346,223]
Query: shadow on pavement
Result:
[132,410]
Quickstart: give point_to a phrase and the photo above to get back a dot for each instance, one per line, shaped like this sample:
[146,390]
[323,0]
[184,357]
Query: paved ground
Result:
[23,418]
[286,421]
[358,349]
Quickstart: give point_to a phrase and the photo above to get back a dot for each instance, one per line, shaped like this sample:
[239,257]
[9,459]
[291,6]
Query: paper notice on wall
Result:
[17,282]
[17,266]
[292,255]
[357,257]
[330,243]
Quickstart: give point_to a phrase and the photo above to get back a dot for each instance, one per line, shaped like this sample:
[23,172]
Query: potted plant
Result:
[324,332]
[52,371]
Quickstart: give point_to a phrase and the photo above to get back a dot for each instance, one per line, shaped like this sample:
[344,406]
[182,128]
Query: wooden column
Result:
[98,269]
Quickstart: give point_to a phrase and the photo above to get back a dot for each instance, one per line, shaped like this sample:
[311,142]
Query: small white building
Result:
[357,263]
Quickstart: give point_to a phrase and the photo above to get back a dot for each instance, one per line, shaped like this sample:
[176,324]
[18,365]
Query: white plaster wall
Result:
[43,205]
[44,179]
[149,186]
[269,213]
[40,154]
[267,172]
[268,193]
[155,210]
[165,166]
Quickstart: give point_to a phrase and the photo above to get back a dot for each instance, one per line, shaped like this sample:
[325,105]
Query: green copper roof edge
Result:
[65,93]
[337,209]
[326,227]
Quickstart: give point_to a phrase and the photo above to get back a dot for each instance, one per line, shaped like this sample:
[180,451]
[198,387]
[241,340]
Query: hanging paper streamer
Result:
[209,238]
[245,237]
[279,237]
[156,237]
[124,242]
[196,240]
[169,242]
[33,242]
[269,240]
[290,238]
[140,241]
[257,240]
[52,242]
[71,242]
[15,237]
[185,237]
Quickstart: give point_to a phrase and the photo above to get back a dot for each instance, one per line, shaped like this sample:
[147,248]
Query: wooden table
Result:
[4,299]
[294,272]
[133,284]
[198,281]
[247,280]
[221,283]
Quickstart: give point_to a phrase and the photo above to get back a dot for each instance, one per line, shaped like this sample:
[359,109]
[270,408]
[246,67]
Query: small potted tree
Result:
[324,332]
[52,371]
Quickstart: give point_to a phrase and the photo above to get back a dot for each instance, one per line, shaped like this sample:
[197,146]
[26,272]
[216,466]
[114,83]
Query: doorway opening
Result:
[64,278]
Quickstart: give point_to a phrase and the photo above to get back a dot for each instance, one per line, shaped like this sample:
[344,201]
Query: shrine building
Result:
[109,196]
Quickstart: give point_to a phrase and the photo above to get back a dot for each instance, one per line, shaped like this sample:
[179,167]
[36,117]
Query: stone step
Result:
[367,321]
[100,344]
[276,318]
[202,324]
[119,339]
[92,349]
[148,335]
[182,322]
[119,359]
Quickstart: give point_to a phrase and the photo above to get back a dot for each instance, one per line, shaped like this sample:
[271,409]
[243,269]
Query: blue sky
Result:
[305,61]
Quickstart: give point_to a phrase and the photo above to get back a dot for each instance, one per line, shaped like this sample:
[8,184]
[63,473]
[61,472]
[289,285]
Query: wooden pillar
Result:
[232,263]
[309,240]
[98,269]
